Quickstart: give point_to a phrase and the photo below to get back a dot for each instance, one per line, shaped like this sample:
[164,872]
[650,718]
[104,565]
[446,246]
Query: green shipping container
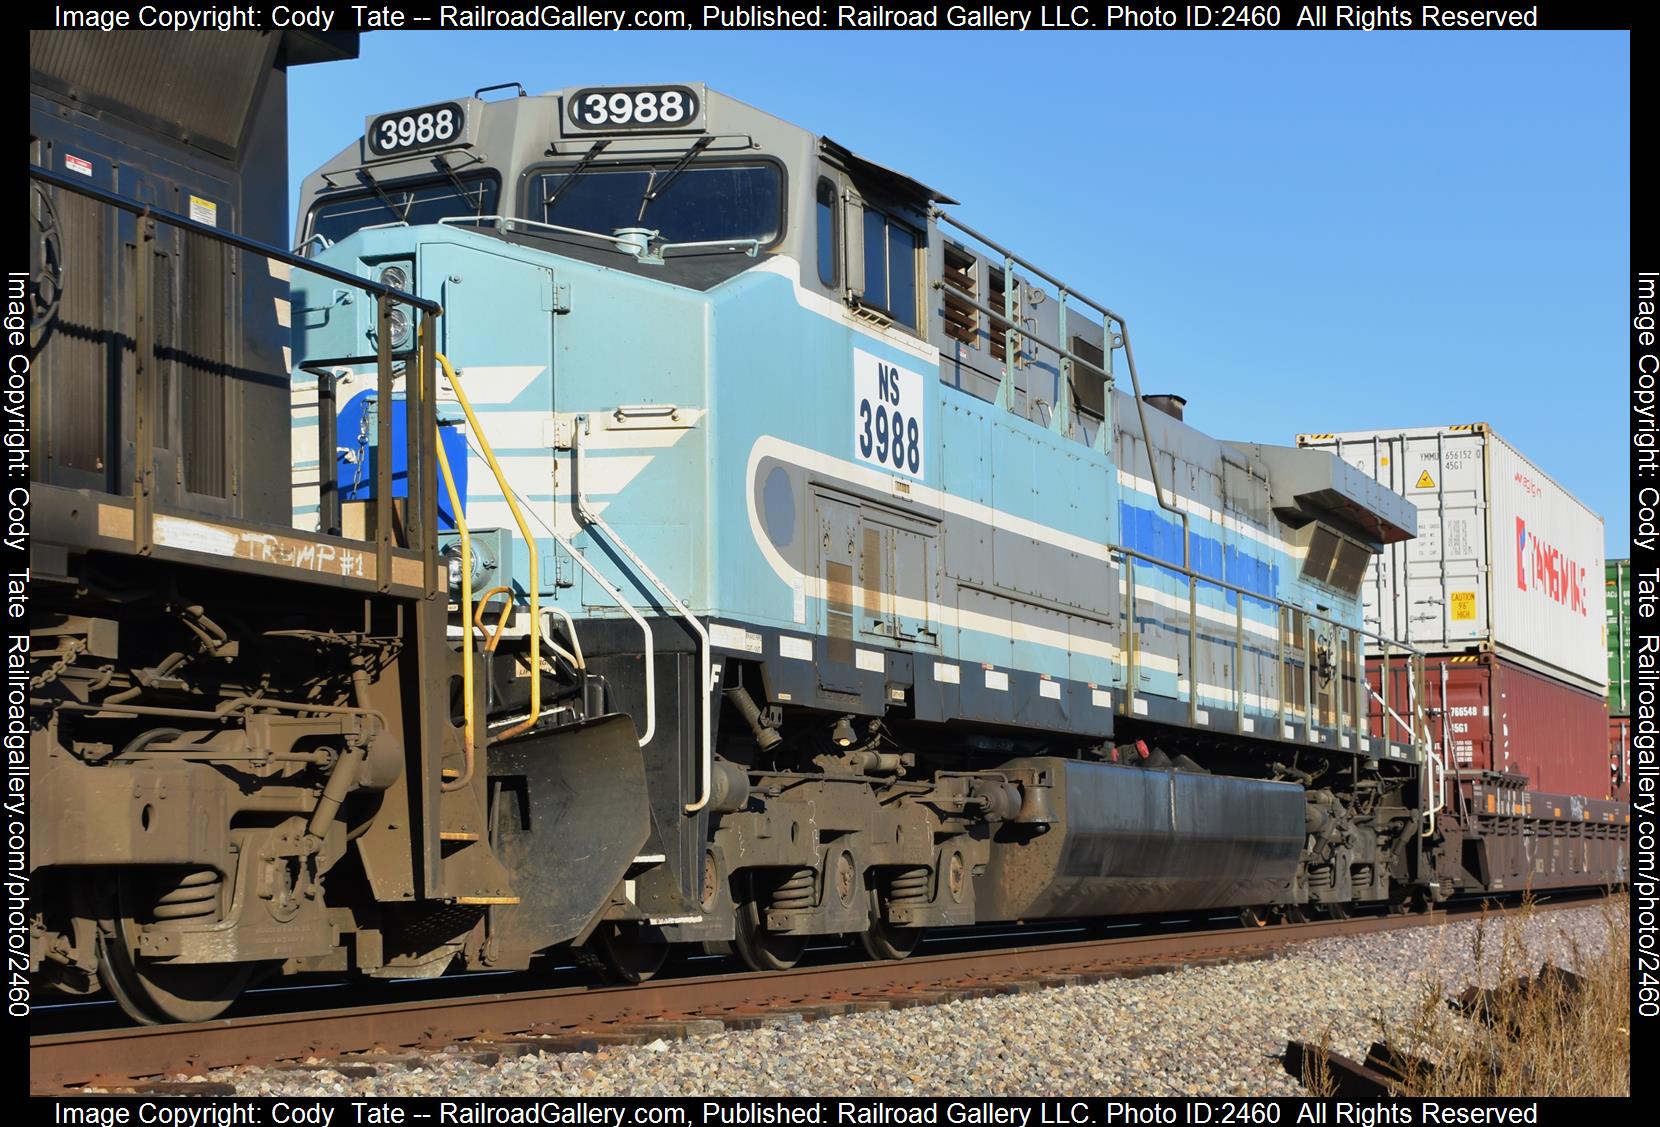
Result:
[1619,637]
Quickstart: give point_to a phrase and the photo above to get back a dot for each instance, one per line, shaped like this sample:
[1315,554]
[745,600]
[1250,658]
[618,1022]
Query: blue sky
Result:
[1305,231]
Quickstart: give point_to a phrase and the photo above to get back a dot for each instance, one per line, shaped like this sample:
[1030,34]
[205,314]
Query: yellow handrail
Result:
[493,638]
[530,544]
[468,720]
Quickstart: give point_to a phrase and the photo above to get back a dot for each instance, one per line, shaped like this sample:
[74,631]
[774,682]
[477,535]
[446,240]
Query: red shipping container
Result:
[1489,714]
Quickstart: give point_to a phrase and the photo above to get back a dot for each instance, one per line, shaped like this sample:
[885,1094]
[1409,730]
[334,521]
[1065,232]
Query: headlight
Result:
[452,565]
[398,323]
[397,278]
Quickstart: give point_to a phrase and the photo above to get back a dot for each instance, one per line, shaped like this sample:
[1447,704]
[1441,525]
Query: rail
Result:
[572,1019]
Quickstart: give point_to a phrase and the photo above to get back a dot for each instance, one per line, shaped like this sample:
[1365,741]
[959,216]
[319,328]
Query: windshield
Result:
[700,204]
[425,201]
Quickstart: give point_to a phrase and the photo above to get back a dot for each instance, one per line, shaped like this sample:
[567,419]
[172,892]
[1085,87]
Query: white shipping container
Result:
[1506,560]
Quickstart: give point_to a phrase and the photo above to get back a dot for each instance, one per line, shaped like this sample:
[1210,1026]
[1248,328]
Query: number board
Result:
[408,131]
[609,108]
[888,415]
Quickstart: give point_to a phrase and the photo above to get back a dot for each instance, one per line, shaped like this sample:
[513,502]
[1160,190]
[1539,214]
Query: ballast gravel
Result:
[1208,1030]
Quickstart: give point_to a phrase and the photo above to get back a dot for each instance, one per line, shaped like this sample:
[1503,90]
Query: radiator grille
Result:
[84,352]
[202,366]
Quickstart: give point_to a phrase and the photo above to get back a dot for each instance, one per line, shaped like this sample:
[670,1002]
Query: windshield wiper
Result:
[654,189]
[363,175]
[581,167]
[459,185]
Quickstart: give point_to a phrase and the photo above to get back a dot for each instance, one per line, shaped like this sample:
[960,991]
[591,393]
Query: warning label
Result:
[1463,604]
[204,211]
[1425,481]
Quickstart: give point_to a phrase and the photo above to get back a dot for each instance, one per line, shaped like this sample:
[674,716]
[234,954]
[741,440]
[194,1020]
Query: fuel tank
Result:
[1127,839]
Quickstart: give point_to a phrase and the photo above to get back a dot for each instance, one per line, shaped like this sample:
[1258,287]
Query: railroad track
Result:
[575,1019]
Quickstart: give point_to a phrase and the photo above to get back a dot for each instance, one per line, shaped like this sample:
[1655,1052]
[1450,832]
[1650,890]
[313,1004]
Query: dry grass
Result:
[1317,1075]
[1559,1036]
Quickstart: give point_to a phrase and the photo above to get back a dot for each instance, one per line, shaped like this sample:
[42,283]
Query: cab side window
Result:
[891,266]
[827,249]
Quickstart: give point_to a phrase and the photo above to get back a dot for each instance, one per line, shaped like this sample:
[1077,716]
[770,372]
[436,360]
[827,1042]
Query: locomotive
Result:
[694,536]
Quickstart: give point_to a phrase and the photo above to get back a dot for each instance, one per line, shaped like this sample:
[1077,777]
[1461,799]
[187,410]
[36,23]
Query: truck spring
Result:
[1322,876]
[796,892]
[193,895]
[910,885]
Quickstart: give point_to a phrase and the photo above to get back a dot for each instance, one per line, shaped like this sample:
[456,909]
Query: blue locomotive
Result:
[697,537]
[917,618]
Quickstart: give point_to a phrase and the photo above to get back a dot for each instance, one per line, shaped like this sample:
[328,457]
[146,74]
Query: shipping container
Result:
[1619,756]
[1619,637]
[1490,714]
[1504,558]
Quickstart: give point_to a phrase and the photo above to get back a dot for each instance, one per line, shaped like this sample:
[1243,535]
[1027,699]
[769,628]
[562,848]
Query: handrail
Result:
[1400,721]
[574,655]
[1440,800]
[241,242]
[524,530]
[314,237]
[705,656]
[1257,595]
[460,220]
[627,608]
[749,246]
[417,533]
[492,638]
[1123,335]
[1068,360]
[1003,318]
[1415,738]
[534,630]
[469,721]
[506,222]
[642,251]
[1171,503]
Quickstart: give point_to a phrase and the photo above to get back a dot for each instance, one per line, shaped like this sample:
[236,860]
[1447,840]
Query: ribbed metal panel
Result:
[83,350]
[204,366]
[202,81]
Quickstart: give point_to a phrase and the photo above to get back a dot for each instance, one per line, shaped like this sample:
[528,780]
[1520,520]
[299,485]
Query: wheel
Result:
[626,953]
[1335,910]
[883,940]
[1253,917]
[759,948]
[1293,914]
[154,993]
